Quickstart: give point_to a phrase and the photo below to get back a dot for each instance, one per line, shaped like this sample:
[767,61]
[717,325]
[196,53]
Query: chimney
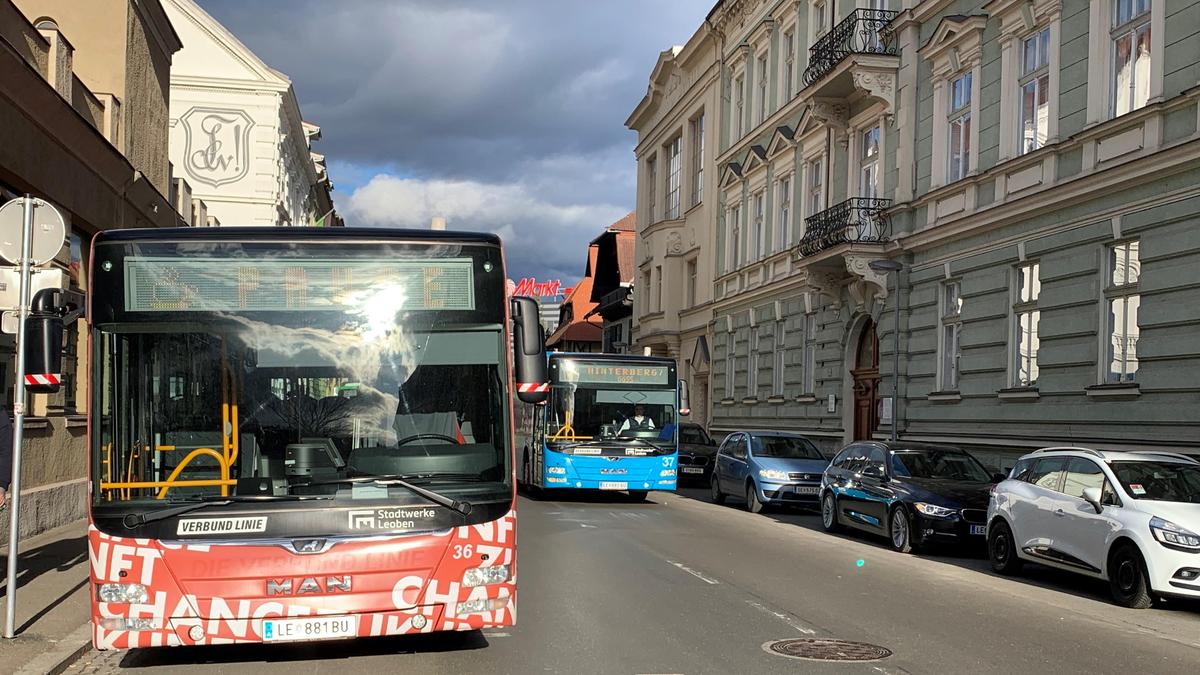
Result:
[439,223]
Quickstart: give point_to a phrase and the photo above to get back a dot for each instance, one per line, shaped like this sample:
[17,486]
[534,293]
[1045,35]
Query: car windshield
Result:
[938,464]
[693,435]
[785,447]
[1160,481]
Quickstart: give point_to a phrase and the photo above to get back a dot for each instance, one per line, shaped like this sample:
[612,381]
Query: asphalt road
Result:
[680,585]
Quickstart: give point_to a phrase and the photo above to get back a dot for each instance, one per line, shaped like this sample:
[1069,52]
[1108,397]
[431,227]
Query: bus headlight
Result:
[485,576]
[481,605]
[132,593]
[557,470]
[131,624]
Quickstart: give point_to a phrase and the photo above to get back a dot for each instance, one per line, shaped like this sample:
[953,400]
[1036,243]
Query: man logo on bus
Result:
[362,520]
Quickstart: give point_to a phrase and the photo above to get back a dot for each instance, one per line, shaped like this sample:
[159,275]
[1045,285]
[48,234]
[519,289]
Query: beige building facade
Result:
[676,203]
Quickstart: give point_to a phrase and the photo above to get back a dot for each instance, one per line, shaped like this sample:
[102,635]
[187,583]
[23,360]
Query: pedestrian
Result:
[6,455]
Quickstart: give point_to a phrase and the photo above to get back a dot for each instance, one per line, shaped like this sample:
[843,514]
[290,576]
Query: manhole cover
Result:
[819,649]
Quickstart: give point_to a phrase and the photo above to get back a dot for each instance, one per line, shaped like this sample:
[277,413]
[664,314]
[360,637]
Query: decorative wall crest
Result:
[217,148]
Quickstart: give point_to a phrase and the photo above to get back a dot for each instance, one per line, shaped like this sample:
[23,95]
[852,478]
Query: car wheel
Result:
[1127,578]
[829,514]
[718,497]
[900,530]
[753,503]
[638,495]
[1002,549]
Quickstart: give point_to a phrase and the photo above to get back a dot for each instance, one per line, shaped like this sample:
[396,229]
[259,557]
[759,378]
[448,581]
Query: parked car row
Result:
[1130,518]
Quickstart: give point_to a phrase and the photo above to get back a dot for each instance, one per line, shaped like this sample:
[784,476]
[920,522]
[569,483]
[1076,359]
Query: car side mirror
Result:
[998,477]
[872,472]
[1092,496]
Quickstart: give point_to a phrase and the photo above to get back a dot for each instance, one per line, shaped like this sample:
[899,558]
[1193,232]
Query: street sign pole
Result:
[14,495]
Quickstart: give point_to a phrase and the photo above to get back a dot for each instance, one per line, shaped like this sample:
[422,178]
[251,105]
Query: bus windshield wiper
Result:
[462,507]
[642,440]
[132,520]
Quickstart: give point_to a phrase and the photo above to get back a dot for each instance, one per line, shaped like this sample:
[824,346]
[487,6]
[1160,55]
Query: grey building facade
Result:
[1033,165]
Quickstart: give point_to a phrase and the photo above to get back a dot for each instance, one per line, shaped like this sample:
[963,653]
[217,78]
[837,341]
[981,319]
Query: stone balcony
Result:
[859,54]
[858,220]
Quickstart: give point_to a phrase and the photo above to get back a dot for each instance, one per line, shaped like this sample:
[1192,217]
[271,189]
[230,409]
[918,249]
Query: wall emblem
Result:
[217,150]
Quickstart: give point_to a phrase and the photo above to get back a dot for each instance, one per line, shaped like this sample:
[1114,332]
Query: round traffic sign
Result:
[49,231]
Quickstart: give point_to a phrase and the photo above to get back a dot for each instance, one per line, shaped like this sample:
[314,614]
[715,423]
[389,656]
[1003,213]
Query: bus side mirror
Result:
[529,351]
[685,406]
[51,309]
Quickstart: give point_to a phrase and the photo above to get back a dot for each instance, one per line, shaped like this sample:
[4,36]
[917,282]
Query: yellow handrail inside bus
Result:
[171,482]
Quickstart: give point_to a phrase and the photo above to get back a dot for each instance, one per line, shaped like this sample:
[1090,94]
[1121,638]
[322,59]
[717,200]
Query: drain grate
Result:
[820,649]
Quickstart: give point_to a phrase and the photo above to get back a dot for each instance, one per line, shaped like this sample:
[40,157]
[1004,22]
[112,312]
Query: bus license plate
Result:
[312,628]
[613,485]
[691,469]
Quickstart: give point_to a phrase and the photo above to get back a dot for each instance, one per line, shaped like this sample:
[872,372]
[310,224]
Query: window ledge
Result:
[776,398]
[944,396]
[37,422]
[1124,390]
[74,421]
[1019,394]
[806,398]
[750,400]
[726,401]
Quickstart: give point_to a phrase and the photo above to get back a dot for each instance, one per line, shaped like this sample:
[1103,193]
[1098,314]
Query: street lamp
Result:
[885,266]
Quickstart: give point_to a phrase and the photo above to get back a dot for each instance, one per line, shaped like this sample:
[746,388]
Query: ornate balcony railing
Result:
[856,220]
[865,31]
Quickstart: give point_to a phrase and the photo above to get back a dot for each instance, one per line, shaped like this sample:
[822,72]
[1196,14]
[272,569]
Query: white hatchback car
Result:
[1129,517]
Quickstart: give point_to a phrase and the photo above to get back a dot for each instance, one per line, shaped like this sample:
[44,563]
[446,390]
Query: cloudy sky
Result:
[501,115]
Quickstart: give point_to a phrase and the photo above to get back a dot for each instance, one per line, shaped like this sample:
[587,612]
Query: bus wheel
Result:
[638,495]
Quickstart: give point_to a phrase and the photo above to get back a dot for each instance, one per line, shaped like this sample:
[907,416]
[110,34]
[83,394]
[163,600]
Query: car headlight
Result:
[1170,534]
[772,474]
[934,510]
[132,593]
[484,576]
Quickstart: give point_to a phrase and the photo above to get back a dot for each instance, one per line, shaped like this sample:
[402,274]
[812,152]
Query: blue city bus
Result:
[610,422]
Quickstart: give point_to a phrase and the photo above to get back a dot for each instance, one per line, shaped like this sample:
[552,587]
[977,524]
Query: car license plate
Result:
[979,529]
[691,469]
[311,628]
[806,490]
[613,485]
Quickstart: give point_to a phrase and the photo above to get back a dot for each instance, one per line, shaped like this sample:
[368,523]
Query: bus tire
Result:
[638,495]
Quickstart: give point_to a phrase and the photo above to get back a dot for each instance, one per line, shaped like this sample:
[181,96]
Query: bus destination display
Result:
[167,284]
[614,373]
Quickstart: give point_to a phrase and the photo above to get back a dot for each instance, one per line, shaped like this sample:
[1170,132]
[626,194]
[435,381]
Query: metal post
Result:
[896,361]
[14,495]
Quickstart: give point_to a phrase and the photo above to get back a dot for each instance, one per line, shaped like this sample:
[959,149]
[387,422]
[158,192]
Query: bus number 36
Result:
[463,551]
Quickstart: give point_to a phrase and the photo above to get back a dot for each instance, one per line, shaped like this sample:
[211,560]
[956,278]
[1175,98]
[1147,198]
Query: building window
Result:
[691,283]
[739,106]
[810,354]
[762,88]
[819,19]
[1027,288]
[647,284]
[789,64]
[1035,91]
[730,362]
[959,140]
[1131,55]
[752,363]
[674,158]
[816,192]
[950,344]
[869,162]
[698,159]
[1123,299]
[779,349]
[759,231]
[783,224]
[652,186]
[659,273]
[735,237]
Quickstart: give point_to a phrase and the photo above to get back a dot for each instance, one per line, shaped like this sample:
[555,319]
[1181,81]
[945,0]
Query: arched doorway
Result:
[866,383]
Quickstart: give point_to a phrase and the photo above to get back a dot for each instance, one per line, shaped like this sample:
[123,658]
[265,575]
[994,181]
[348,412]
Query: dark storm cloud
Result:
[519,98]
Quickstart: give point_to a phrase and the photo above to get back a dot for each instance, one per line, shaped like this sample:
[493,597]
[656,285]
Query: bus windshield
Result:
[273,371]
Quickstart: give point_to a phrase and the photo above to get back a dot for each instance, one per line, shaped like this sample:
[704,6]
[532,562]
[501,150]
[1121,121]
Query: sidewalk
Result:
[52,602]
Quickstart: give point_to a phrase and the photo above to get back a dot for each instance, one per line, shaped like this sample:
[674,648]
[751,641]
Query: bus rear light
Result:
[481,605]
[154,623]
[125,593]
[485,576]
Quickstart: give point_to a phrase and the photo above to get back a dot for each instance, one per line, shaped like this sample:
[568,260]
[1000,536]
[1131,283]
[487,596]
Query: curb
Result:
[68,650]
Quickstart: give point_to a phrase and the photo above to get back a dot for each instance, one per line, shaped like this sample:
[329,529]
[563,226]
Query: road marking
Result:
[498,635]
[786,618]
[586,525]
[694,573]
